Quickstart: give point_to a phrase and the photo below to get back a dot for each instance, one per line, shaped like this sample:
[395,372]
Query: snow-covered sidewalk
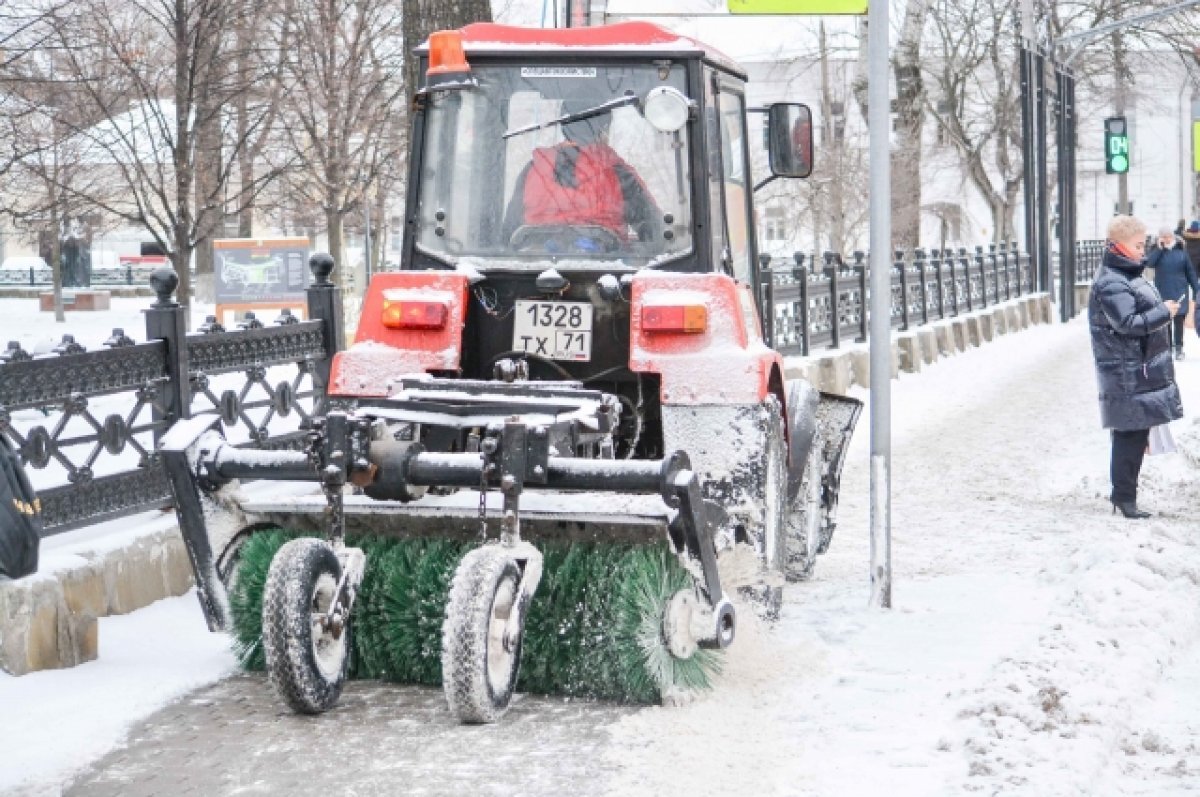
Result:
[1038,645]
[1033,635]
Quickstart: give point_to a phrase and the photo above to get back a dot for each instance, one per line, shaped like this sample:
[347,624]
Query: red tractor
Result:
[574,347]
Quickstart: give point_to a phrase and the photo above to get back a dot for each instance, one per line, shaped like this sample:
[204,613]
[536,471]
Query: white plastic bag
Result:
[1161,441]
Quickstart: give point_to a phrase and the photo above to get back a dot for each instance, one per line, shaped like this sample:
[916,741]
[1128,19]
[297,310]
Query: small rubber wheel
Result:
[479,672]
[306,658]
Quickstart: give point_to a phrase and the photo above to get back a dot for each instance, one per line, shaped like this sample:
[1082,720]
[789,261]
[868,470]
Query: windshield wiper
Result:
[599,110]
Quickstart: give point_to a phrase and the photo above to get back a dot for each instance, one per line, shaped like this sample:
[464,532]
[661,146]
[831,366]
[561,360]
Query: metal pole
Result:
[1065,287]
[1071,211]
[1043,206]
[1028,153]
[878,95]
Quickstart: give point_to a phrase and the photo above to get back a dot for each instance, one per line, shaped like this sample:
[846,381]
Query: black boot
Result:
[1130,510]
[1178,352]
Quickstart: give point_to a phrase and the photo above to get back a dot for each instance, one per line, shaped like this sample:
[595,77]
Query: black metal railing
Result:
[86,422]
[1088,255]
[826,305]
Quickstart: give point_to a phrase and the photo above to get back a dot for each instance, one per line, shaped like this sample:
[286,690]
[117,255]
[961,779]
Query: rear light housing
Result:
[414,314]
[678,318]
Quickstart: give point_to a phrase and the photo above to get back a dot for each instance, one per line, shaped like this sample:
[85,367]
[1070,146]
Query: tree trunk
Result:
[56,258]
[337,249]
[210,210]
[834,148]
[181,260]
[181,160]
[379,232]
[910,117]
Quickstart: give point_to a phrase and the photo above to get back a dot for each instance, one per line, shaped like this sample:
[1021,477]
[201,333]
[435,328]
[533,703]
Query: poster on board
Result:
[261,271]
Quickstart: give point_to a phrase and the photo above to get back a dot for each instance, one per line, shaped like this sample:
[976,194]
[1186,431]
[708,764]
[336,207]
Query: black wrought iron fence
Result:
[1088,255]
[93,417]
[825,304]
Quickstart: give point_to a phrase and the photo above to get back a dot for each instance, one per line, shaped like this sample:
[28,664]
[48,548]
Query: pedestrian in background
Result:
[1191,242]
[1128,322]
[1173,275]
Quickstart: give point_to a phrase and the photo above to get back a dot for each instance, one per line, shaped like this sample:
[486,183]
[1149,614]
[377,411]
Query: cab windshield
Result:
[554,162]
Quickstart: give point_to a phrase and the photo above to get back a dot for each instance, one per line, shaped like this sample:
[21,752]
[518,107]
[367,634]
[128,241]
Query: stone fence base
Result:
[837,370]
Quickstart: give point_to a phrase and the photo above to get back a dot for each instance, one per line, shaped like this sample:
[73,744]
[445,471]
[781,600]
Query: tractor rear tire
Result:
[805,520]
[306,663]
[774,490]
[479,675]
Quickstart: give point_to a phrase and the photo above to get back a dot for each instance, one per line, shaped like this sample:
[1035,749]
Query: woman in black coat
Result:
[1128,322]
[1173,275]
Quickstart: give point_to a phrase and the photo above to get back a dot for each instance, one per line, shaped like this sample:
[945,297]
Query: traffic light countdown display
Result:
[1116,145]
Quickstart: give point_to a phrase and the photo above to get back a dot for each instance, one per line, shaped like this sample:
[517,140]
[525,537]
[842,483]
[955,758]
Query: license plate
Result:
[557,330]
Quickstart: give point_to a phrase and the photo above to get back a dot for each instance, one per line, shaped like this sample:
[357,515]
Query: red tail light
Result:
[688,318]
[414,314]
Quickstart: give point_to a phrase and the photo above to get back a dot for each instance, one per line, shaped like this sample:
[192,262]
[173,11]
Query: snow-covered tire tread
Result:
[483,574]
[299,569]
[805,521]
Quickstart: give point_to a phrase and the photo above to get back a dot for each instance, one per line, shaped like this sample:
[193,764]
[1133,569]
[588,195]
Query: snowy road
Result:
[1038,644]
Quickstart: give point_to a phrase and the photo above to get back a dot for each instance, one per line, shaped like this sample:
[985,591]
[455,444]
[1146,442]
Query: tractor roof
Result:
[624,37]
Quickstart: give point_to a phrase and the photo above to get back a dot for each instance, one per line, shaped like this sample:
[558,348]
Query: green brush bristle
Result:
[650,577]
[415,582]
[593,629]
[245,599]
[370,654]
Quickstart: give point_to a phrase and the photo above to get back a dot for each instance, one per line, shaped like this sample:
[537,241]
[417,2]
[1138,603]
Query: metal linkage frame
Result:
[516,453]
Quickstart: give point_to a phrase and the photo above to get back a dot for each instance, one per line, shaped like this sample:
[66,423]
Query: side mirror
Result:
[790,139]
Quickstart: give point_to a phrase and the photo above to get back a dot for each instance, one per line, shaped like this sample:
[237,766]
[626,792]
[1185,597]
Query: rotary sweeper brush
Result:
[561,443]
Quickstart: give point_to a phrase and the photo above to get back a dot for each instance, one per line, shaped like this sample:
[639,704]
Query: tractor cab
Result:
[606,149]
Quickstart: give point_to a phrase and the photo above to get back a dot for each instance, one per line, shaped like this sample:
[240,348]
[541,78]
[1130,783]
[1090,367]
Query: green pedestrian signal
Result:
[1116,145]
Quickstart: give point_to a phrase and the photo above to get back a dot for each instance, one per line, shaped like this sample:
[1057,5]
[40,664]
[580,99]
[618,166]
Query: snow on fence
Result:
[86,422]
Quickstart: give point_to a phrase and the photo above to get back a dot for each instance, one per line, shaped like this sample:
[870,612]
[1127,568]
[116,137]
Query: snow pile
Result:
[1048,717]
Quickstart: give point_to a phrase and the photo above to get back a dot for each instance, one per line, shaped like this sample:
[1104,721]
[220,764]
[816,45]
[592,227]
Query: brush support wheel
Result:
[480,661]
[307,648]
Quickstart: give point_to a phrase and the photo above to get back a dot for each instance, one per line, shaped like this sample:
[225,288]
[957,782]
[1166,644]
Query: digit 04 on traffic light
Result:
[1116,145]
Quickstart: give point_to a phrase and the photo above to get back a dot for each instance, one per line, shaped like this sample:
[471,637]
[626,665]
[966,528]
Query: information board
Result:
[261,271]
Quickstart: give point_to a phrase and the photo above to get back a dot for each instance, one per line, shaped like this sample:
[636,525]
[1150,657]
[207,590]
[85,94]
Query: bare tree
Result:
[906,155]
[153,71]
[910,126]
[977,107]
[40,164]
[344,103]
